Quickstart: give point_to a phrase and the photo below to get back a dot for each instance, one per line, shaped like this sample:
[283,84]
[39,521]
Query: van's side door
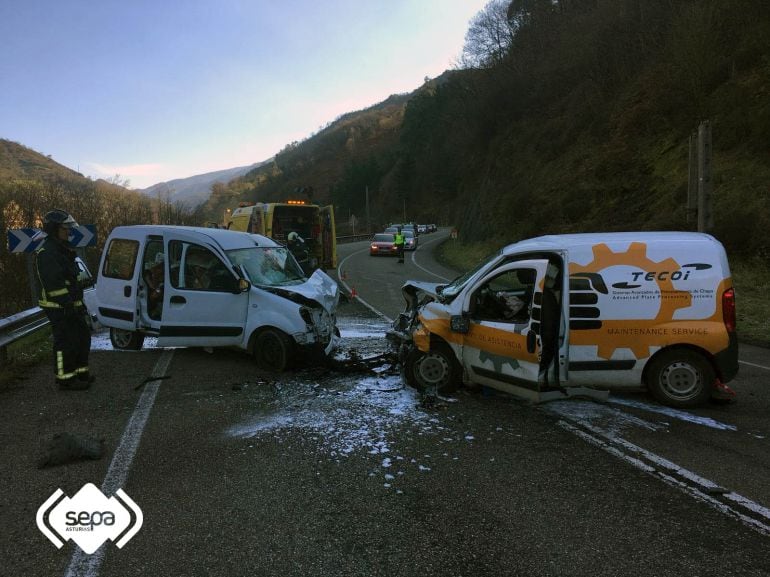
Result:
[502,345]
[202,305]
[117,289]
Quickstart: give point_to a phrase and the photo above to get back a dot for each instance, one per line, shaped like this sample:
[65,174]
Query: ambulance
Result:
[313,223]
[568,315]
[206,287]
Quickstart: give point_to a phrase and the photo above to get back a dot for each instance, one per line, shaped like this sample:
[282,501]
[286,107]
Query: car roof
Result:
[227,239]
[560,241]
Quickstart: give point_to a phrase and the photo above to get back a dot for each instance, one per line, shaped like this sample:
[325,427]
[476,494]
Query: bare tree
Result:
[489,36]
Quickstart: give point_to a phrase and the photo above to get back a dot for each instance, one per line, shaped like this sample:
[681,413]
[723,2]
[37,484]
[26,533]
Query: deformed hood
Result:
[319,288]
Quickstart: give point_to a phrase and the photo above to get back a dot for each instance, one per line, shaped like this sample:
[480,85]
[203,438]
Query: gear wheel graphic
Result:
[671,299]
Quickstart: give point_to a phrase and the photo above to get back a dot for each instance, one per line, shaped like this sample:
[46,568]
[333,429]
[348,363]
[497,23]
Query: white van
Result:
[210,287]
[566,314]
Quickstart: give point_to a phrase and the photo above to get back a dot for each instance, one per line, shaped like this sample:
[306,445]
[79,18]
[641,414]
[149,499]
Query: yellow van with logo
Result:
[562,315]
[313,223]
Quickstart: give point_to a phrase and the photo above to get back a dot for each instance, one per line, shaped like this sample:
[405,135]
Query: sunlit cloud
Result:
[140,172]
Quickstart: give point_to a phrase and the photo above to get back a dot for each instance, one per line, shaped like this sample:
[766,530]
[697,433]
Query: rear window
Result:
[121,259]
[384,238]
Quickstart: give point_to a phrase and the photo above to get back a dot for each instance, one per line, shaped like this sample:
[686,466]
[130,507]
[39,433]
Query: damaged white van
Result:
[210,287]
[561,315]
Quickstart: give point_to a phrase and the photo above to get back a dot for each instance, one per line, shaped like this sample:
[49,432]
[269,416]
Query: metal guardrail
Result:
[27,322]
[19,326]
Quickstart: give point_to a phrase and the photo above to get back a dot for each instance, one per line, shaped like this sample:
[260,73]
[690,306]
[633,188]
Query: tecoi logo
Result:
[89,518]
[662,275]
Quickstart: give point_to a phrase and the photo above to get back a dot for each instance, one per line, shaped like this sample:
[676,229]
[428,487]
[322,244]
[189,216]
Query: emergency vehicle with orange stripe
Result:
[568,315]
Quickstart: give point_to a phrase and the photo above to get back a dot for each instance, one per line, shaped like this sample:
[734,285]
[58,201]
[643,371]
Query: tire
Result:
[681,378]
[437,369]
[125,340]
[273,350]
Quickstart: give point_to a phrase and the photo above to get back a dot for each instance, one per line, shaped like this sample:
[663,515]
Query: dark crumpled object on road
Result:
[66,448]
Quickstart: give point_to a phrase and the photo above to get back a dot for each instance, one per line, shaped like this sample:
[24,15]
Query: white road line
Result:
[82,564]
[422,268]
[663,469]
[347,287]
[753,365]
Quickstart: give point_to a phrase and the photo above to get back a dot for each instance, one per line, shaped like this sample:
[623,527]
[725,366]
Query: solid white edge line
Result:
[82,564]
[755,365]
[669,480]
[358,298]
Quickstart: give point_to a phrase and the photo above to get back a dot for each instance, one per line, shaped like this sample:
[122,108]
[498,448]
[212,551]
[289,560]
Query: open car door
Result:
[502,347]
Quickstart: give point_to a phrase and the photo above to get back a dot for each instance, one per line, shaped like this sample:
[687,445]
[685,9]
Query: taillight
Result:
[728,309]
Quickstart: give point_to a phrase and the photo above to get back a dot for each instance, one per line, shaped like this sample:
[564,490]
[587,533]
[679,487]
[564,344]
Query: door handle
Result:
[531,341]
[127,291]
[176,299]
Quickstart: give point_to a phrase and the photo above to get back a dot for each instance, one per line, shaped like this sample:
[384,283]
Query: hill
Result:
[19,162]
[196,189]
[581,123]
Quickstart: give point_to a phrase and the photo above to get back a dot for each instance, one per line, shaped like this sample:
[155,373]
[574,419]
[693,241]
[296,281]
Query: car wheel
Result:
[681,378]
[272,350]
[125,340]
[437,369]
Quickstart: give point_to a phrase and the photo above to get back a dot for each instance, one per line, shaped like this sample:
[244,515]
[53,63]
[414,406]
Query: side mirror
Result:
[459,324]
[243,285]
[531,341]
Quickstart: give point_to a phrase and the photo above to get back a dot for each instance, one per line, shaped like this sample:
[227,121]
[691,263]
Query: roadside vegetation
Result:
[751,278]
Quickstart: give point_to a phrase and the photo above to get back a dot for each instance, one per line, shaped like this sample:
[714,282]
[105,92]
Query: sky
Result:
[154,90]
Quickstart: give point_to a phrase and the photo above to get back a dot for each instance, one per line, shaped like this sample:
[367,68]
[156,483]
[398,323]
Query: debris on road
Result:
[66,448]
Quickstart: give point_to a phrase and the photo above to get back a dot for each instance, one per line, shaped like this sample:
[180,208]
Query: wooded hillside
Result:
[575,116]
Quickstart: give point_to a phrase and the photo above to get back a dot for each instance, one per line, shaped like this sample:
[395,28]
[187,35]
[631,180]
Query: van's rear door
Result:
[117,288]
[328,237]
[502,348]
[201,303]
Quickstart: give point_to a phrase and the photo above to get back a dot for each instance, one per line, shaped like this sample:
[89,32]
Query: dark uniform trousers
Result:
[71,342]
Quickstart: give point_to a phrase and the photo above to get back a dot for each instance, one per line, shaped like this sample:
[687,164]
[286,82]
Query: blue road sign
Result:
[28,239]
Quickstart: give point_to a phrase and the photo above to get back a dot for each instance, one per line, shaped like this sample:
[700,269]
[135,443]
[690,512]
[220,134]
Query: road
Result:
[318,473]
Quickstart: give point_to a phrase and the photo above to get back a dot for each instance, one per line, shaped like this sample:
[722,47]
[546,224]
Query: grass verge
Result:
[751,278]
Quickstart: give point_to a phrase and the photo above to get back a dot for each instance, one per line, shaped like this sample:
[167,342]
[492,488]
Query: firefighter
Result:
[61,297]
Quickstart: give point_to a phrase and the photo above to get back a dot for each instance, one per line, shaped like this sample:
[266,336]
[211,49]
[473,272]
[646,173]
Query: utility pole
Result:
[692,180]
[705,217]
[368,220]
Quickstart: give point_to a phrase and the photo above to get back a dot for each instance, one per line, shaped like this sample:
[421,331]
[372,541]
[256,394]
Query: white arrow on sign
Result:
[24,239]
[81,236]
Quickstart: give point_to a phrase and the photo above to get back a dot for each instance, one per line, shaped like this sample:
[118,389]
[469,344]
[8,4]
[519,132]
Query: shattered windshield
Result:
[450,291]
[268,266]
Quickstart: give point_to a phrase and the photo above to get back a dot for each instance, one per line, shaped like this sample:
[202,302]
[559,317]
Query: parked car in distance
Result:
[422,228]
[383,243]
[410,240]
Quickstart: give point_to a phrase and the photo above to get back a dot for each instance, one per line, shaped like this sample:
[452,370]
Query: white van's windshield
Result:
[268,266]
[450,291]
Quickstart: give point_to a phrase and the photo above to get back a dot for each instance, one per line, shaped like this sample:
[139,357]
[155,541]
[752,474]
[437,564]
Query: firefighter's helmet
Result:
[56,218]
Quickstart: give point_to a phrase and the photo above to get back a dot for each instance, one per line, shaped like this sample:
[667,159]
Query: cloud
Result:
[129,171]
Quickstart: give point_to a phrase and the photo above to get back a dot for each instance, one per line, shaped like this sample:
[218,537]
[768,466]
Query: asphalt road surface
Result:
[315,472]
